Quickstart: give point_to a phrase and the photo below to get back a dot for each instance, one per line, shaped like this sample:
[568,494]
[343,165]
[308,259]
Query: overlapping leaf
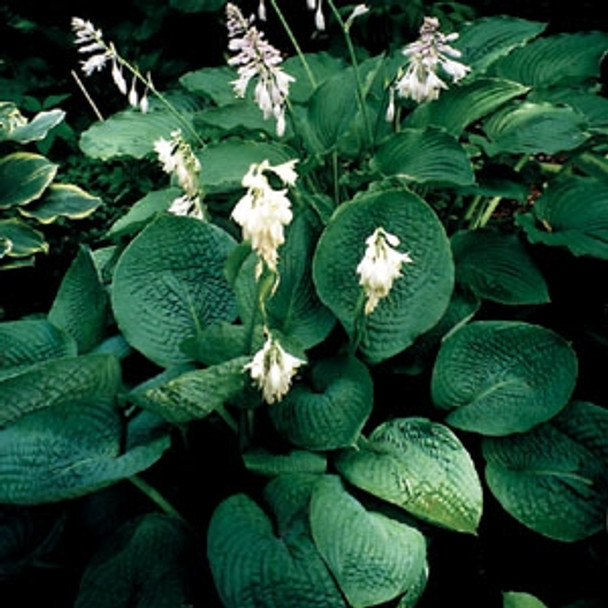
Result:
[24,177]
[62,200]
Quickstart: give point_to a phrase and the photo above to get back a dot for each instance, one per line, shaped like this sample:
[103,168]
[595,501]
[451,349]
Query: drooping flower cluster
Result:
[430,52]
[263,212]
[380,266]
[256,58]
[177,158]
[90,41]
[272,369]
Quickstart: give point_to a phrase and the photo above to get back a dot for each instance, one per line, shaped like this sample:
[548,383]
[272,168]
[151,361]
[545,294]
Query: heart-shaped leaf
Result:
[422,467]
[169,284]
[416,301]
[329,413]
[554,479]
[373,558]
[502,377]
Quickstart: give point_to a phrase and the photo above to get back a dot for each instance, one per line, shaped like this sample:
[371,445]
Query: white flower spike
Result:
[380,266]
[272,369]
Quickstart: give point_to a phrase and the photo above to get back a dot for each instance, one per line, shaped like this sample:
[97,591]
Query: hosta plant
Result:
[337,231]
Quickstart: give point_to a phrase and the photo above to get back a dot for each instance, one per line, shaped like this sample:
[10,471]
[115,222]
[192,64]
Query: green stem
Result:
[294,41]
[353,58]
[227,418]
[334,165]
[156,497]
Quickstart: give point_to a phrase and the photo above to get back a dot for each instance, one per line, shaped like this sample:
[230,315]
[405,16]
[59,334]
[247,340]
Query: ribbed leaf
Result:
[483,41]
[329,413]
[296,462]
[461,106]
[194,394]
[254,568]
[554,479]
[294,309]
[213,84]
[22,241]
[424,156]
[562,59]
[23,178]
[169,285]
[322,65]
[571,213]
[417,300]
[144,563]
[62,200]
[52,382]
[373,558]
[237,118]
[497,267]
[502,377]
[420,466]
[68,450]
[25,342]
[81,304]
[533,128]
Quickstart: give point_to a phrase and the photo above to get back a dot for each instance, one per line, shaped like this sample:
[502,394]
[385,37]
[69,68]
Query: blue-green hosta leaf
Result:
[296,462]
[533,128]
[68,450]
[25,342]
[554,479]
[225,163]
[416,301]
[461,106]
[37,128]
[132,133]
[485,40]
[254,567]
[241,117]
[81,305]
[518,599]
[424,156]
[502,377]
[194,394]
[143,211]
[420,466]
[294,309]
[197,6]
[21,240]
[143,563]
[373,558]
[563,59]
[212,83]
[23,178]
[329,413]
[571,213]
[322,66]
[52,382]
[169,285]
[65,200]
[497,267]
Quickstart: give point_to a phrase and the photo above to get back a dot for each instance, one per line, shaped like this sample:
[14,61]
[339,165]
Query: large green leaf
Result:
[461,106]
[571,213]
[25,342]
[52,382]
[485,40]
[24,177]
[517,599]
[239,117]
[294,309]
[562,59]
[322,66]
[554,479]
[144,563]
[197,6]
[169,285]
[81,305]
[497,267]
[211,83]
[194,394]
[502,377]
[66,200]
[329,413]
[533,128]
[68,450]
[21,240]
[373,558]
[296,462]
[424,156]
[417,300]
[36,128]
[420,466]
[255,567]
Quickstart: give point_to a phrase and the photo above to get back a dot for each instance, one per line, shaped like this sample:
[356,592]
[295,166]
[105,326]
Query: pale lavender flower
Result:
[257,58]
[426,56]
[315,5]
